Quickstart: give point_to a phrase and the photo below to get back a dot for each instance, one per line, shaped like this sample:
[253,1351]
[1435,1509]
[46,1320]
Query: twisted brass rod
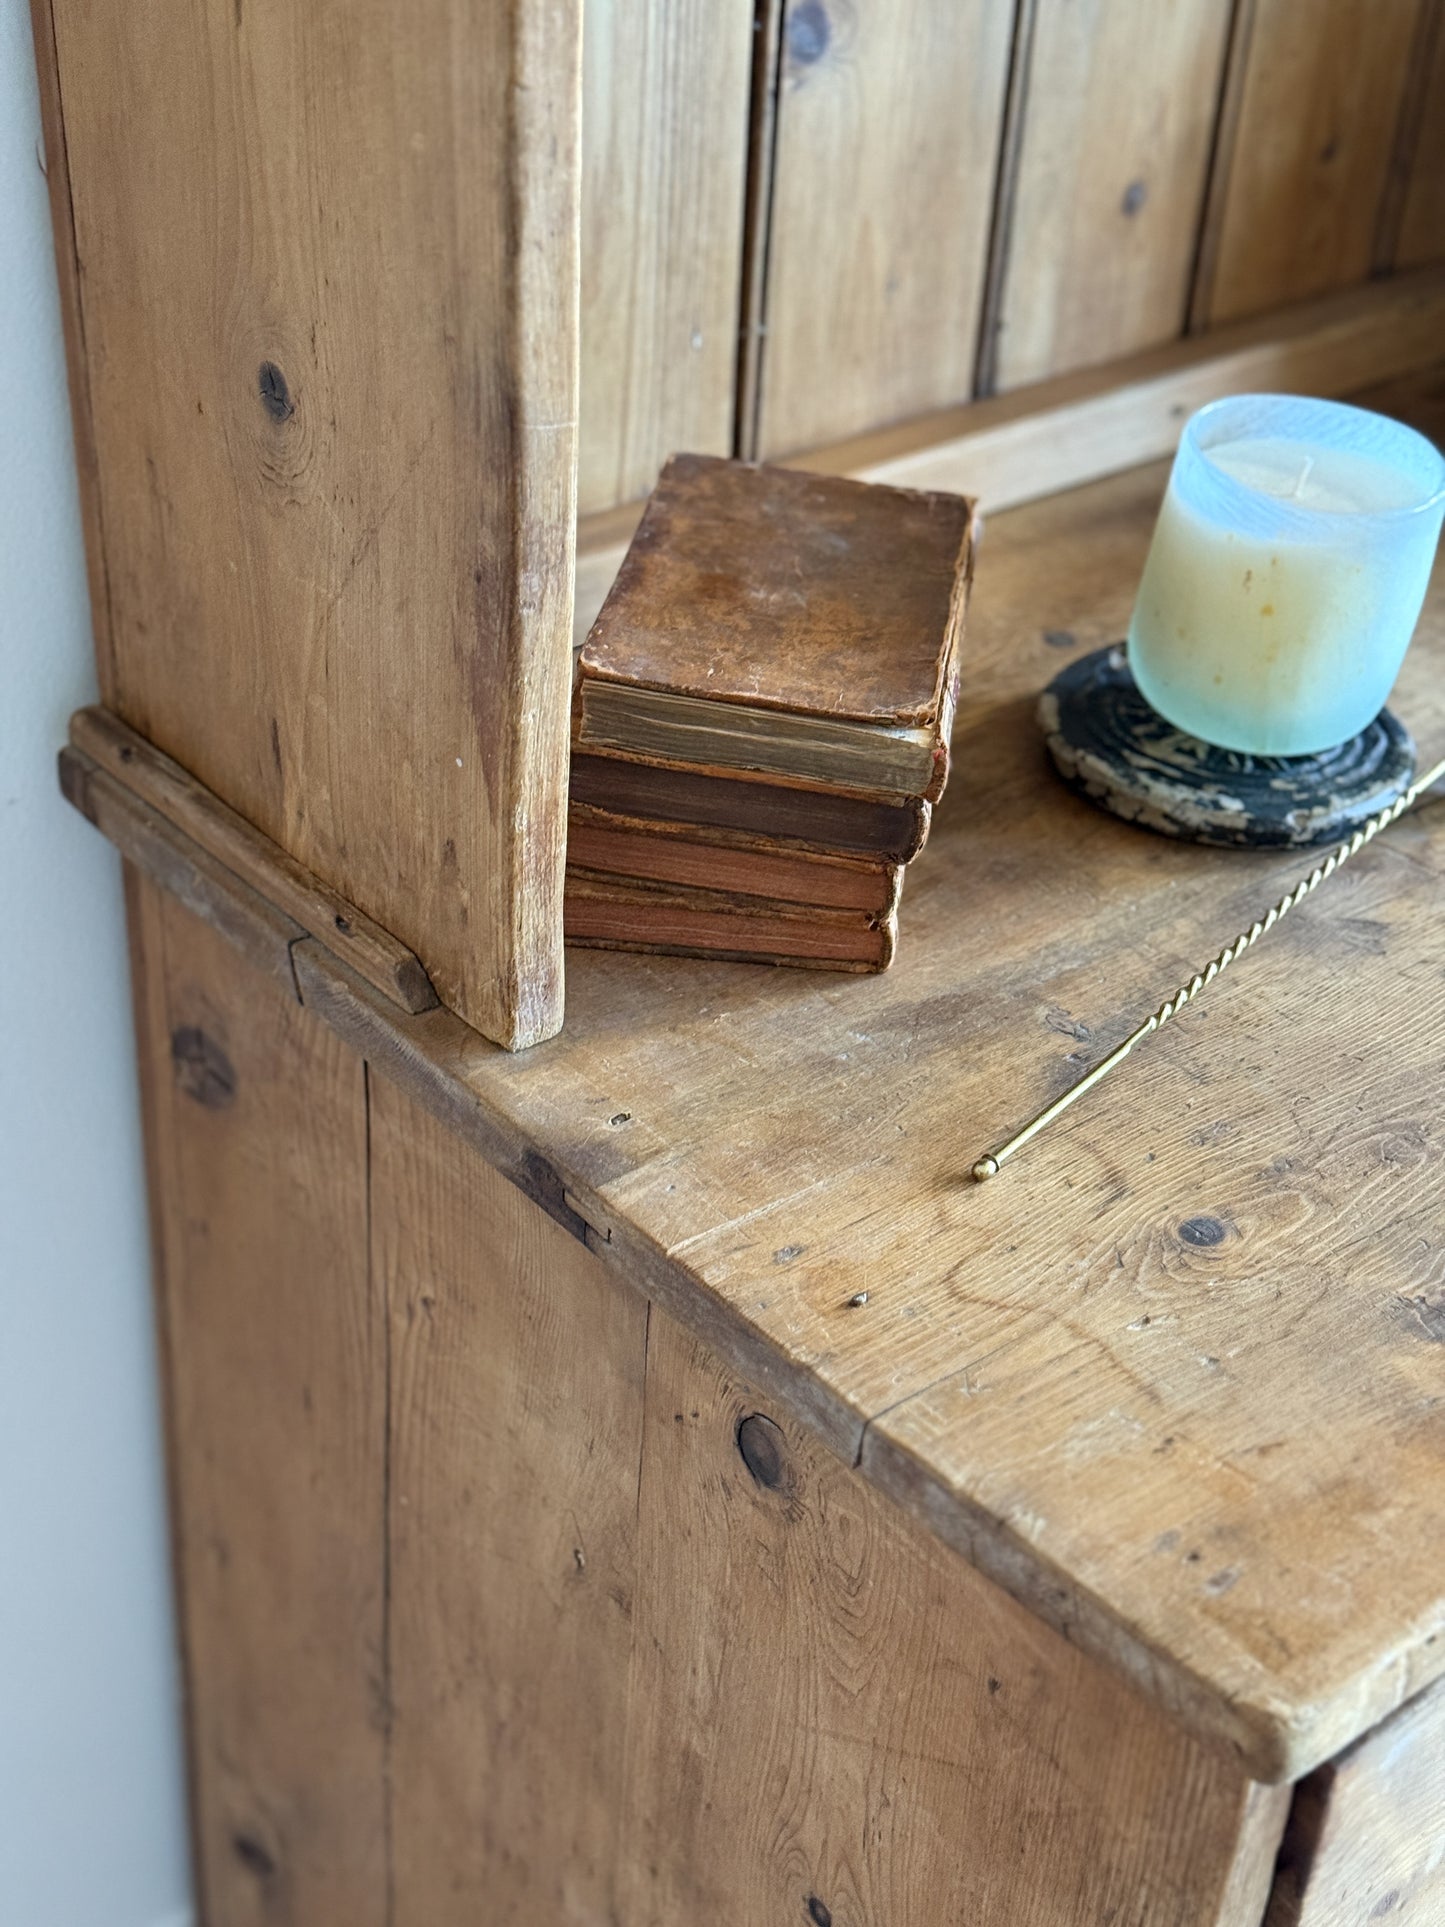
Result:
[988,1165]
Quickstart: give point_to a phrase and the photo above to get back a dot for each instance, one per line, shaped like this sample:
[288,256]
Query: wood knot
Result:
[253,1855]
[1135,195]
[1203,1232]
[818,1913]
[810,33]
[274,392]
[202,1068]
[764,1450]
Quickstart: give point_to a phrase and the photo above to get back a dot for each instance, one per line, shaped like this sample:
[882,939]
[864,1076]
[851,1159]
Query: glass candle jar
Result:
[1286,574]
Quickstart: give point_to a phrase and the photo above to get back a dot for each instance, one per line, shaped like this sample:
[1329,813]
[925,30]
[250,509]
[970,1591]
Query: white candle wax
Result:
[1286,574]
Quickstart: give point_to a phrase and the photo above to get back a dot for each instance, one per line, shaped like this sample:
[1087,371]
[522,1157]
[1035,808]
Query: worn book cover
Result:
[671,920]
[784,624]
[659,852]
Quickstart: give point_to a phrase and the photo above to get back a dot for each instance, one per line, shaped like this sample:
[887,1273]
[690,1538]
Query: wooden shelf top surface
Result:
[1176,1377]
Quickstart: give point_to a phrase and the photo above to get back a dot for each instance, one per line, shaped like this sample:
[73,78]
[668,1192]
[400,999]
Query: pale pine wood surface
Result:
[1365,1841]
[514,1430]
[274,1354]
[161,785]
[1311,110]
[1109,180]
[664,152]
[486,1615]
[890,1737]
[1208,1453]
[889,113]
[327,292]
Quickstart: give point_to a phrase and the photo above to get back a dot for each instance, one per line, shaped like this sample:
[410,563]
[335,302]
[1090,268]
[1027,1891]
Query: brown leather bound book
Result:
[790,817]
[653,852]
[791,626]
[605,913]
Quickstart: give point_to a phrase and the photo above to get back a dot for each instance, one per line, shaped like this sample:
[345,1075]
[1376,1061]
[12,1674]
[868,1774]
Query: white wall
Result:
[91,1823]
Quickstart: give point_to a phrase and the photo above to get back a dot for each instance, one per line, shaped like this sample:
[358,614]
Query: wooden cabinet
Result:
[641,1478]
[644,1478]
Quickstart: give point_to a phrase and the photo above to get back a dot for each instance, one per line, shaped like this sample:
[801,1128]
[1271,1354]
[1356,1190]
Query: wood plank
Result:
[835,1719]
[1319,91]
[161,784]
[758,221]
[275,1384]
[68,277]
[756,1151]
[1364,1840]
[1110,181]
[1421,238]
[1076,428]
[889,115]
[328,281]
[515,1423]
[248,919]
[665,132]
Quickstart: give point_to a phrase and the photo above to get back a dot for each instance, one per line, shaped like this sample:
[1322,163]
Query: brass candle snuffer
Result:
[988,1165]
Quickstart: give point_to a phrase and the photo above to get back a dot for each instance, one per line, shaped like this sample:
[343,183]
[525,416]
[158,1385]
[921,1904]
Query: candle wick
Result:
[1304,476]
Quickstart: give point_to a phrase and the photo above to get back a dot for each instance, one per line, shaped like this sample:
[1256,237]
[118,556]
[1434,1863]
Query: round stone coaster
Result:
[1110,746]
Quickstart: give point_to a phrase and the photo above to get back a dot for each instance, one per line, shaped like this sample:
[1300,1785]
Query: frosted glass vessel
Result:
[1286,574]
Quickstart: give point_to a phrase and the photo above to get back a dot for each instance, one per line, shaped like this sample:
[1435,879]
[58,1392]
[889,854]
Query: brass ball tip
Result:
[985,1168]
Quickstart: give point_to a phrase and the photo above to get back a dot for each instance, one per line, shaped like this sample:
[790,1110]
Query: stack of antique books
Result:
[761,718]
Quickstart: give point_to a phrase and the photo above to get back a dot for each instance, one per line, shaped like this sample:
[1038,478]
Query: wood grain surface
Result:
[1421,236]
[889,114]
[664,153]
[325,294]
[514,1428]
[1364,1841]
[1169,1379]
[274,1354]
[1113,136]
[1313,99]
[834,1719]
[161,785]
[502,1598]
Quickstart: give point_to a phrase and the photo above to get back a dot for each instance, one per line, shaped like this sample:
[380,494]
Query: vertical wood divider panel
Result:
[324,312]
[67,265]
[514,1428]
[1364,1840]
[665,138]
[1417,236]
[1117,119]
[889,114]
[273,1345]
[1313,99]
[758,222]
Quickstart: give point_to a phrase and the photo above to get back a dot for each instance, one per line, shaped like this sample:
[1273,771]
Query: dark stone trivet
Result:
[1110,746]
